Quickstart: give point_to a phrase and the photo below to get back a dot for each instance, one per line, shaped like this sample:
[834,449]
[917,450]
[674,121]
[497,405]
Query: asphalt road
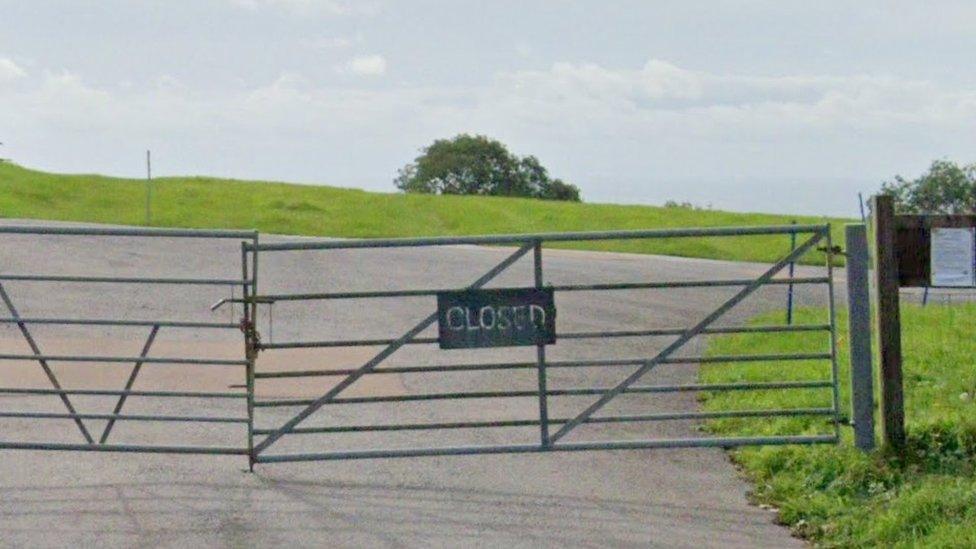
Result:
[672,498]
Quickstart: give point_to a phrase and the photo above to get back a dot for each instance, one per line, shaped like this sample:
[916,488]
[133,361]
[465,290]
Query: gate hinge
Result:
[833,249]
[251,333]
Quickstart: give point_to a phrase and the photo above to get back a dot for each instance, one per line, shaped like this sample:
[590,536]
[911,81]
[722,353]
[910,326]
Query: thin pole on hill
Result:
[148,188]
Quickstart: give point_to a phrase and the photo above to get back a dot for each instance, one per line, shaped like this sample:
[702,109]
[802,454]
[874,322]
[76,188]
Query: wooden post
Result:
[888,321]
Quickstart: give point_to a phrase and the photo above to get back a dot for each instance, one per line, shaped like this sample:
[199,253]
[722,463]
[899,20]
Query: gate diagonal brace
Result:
[44,365]
[686,337]
[128,384]
[383,355]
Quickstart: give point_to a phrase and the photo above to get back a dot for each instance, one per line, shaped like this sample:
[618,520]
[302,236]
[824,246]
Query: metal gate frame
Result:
[155,325]
[550,441]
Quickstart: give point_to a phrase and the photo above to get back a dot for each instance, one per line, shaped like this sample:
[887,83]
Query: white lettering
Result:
[504,317]
[452,314]
[520,312]
[484,313]
[473,325]
[496,318]
[537,319]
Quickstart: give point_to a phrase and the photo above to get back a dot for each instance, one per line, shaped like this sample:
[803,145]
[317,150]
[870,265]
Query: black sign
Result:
[496,318]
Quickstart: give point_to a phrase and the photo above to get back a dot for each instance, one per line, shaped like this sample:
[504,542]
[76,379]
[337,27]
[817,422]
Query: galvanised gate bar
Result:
[557,415]
[592,401]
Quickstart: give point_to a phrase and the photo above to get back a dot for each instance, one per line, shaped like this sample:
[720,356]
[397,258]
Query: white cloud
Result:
[656,80]
[10,71]
[658,119]
[656,102]
[307,7]
[365,65]
[331,43]
[660,95]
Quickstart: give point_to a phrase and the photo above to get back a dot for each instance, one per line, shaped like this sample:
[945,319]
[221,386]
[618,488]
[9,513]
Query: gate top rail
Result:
[126,231]
[528,237]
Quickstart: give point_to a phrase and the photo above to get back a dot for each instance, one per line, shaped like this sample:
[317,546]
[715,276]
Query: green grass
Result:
[201,202]
[838,496]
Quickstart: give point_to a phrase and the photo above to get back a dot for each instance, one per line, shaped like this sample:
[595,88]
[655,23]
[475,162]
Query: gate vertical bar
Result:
[832,312]
[859,305]
[252,363]
[789,288]
[540,352]
[247,325]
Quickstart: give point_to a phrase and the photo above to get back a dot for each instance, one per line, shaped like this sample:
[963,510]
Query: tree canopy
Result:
[946,188]
[476,164]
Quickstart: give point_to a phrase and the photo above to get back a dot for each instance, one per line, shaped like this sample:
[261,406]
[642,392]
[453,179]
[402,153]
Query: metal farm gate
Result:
[280,420]
[533,385]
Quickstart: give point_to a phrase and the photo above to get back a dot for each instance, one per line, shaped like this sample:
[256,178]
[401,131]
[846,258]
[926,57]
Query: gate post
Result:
[859,327]
[888,321]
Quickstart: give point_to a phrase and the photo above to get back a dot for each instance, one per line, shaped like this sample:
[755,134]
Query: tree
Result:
[476,164]
[946,188]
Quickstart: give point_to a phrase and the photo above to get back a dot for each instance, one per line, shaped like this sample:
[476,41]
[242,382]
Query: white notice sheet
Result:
[953,257]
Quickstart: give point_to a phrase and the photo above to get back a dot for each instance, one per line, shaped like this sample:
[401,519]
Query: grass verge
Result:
[200,202]
[838,496]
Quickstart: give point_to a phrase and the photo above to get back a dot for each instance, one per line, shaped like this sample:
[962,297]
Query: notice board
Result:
[935,250]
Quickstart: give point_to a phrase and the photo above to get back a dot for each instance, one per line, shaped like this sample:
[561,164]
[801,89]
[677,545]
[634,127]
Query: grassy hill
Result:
[203,202]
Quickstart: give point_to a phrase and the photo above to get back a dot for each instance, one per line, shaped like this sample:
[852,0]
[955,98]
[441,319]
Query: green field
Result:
[200,202]
[838,496]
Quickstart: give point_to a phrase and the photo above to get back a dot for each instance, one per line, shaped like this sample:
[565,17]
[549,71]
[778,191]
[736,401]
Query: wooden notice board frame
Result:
[902,258]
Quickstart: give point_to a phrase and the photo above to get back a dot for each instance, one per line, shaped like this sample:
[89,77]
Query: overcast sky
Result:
[750,105]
